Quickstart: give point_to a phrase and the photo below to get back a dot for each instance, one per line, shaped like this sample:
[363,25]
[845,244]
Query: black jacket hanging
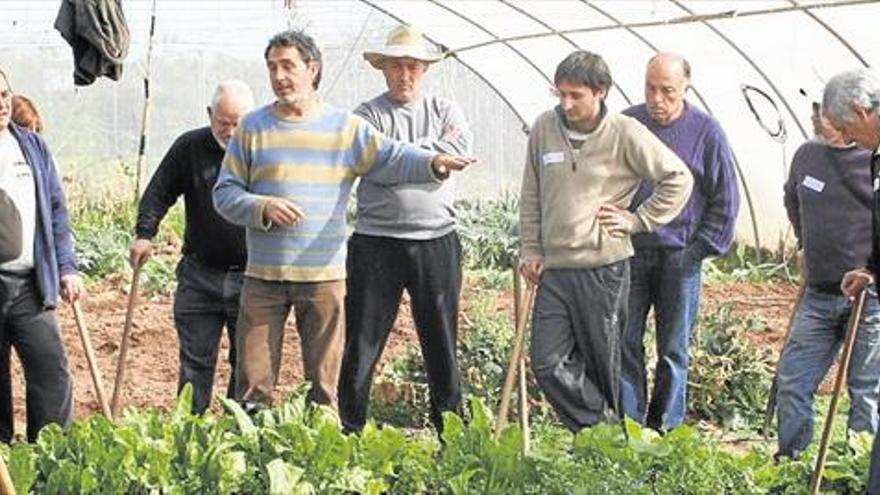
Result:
[98,34]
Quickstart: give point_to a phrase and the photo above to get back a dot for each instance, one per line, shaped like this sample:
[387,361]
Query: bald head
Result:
[232,100]
[666,81]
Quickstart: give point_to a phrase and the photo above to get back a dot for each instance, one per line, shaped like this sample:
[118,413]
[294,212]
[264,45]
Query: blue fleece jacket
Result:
[53,242]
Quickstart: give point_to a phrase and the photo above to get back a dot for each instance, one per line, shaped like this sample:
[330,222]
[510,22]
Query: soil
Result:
[151,370]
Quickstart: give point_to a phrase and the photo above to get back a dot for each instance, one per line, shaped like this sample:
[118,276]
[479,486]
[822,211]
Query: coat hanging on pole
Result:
[98,34]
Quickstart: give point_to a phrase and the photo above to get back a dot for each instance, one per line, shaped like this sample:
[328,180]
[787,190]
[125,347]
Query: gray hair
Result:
[858,87]
[685,65]
[305,45]
[236,90]
[585,68]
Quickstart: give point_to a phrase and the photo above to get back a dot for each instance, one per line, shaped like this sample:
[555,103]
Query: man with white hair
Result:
[405,237]
[851,104]
[209,275]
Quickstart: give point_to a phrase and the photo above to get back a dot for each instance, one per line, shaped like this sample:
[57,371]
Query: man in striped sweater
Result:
[286,177]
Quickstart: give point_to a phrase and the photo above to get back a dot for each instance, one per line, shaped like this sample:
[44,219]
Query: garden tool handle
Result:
[90,358]
[123,346]
[6,486]
[507,389]
[852,330]
[770,410]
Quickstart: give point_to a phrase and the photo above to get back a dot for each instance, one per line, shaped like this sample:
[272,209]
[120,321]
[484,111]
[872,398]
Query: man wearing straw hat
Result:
[851,103]
[286,177]
[405,237]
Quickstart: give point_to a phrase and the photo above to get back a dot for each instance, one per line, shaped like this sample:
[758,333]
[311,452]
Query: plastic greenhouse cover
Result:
[784,49]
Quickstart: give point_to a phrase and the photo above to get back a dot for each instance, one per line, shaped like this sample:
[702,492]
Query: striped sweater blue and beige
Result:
[313,162]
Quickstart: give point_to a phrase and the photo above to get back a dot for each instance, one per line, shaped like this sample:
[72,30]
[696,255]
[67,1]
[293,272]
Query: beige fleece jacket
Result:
[563,188]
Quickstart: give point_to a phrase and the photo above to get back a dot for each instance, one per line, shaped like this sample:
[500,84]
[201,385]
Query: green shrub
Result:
[489,231]
[729,378]
[297,447]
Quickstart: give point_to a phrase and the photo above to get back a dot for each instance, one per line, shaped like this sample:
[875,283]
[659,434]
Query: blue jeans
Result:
[669,280]
[205,301]
[819,330]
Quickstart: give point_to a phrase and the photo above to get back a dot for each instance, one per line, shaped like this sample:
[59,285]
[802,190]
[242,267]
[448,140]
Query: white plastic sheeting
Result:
[505,54]
[782,48]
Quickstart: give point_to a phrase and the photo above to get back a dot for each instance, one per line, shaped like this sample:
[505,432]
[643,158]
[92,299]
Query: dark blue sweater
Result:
[53,242]
[828,201]
[709,217]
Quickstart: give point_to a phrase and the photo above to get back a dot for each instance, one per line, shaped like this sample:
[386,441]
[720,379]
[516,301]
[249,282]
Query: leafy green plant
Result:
[489,231]
[745,263]
[729,378]
[300,448]
[103,229]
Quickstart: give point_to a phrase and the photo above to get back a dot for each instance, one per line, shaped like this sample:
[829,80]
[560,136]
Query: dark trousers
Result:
[577,323]
[668,280]
[379,269]
[207,299]
[874,471]
[35,335]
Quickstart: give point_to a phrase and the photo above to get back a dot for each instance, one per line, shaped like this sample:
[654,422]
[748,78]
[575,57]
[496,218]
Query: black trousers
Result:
[379,269]
[35,335]
[577,323]
[206,300]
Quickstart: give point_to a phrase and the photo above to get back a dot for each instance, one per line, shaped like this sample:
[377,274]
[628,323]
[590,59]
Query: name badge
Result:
[813,183]
[553,158]
[877,184]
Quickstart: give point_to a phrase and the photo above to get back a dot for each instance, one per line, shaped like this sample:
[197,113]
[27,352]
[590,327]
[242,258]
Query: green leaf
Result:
[244,421]
[283,477]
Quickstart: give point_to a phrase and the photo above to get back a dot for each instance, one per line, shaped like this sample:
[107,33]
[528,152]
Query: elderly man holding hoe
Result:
[851,103]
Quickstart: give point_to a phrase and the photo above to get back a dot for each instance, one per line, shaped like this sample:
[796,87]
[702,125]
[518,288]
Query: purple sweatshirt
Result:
[709,217]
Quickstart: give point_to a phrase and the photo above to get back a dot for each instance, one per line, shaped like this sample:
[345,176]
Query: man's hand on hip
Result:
[618,222]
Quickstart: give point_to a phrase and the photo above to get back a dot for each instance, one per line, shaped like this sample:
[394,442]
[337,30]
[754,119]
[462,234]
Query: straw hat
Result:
[404,41]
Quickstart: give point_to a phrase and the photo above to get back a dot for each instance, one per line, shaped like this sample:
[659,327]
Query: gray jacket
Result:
[98,34]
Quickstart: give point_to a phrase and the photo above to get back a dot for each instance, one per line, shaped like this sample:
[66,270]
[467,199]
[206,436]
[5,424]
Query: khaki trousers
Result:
[320,317]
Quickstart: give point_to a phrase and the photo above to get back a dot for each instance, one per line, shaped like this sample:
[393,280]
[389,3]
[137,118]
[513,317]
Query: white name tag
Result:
[813,183]
[553,158]
[877,184]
